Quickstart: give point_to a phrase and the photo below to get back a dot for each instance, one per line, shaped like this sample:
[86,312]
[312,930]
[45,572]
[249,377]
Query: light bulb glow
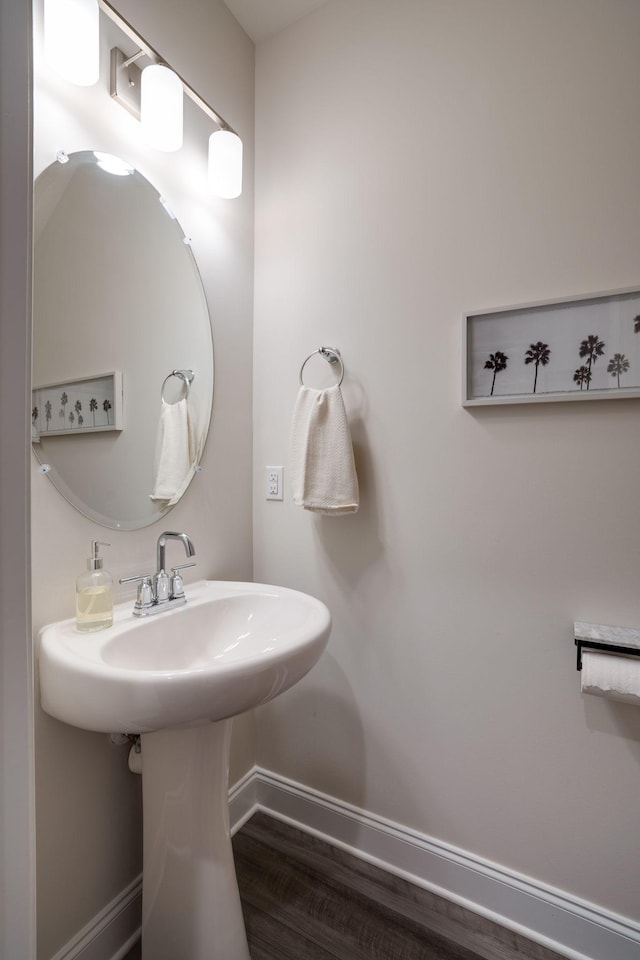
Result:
[72,39]
[114,165]
[225,164]
[161,107]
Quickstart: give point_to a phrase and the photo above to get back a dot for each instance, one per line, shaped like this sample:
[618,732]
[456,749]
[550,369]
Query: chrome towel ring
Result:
[331,355]
[185,375]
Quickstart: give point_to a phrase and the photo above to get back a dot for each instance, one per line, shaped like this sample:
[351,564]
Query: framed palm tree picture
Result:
[87,405]
[583,348]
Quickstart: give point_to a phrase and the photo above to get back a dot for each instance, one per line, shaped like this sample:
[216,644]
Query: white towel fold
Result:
[175,452]
[322,467]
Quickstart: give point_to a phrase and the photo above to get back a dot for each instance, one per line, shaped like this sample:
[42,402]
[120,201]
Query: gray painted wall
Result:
[417,159]
[17,905]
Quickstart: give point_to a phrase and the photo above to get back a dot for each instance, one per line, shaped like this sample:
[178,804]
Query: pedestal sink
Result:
[177,678]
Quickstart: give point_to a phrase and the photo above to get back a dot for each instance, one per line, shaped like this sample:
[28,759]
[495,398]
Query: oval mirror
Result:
[122,348]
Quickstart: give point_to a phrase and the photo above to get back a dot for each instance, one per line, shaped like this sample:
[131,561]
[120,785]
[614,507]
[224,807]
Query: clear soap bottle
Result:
[94,594]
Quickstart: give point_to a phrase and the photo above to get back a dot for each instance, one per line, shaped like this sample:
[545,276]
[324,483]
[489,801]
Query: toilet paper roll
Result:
[616,678]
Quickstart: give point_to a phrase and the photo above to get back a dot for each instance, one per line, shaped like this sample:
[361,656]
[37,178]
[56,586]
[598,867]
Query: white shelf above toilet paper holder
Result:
[595,636]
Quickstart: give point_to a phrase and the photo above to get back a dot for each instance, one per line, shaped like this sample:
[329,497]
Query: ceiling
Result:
[262,18]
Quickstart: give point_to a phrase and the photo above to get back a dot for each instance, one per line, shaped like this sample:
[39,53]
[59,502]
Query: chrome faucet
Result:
[164,587]
[162,591]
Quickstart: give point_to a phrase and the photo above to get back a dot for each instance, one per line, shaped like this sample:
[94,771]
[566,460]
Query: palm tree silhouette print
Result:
[106,406]
[93,406]
[582,376]
[591,348]
[497,362]
[617,365]
[47,412]
[538,353]
[64,400]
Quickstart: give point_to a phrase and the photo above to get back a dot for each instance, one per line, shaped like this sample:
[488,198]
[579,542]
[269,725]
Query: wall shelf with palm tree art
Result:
[578,348]
[85,405]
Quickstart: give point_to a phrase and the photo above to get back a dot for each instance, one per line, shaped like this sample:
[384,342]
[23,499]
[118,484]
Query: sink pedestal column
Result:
[190,902]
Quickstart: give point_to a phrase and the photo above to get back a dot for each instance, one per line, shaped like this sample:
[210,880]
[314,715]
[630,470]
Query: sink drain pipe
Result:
[135,751]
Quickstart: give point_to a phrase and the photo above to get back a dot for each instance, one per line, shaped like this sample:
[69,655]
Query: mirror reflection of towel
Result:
[175,452]
[322,467]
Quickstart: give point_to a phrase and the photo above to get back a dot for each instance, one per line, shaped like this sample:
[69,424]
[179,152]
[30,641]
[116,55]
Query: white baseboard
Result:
[572,927]
[548,916]
[243,801]
[111,934]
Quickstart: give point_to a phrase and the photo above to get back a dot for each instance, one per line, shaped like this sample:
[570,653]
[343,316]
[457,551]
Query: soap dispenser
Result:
[94,596]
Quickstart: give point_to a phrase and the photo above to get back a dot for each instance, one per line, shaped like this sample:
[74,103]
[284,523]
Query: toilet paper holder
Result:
[595,636]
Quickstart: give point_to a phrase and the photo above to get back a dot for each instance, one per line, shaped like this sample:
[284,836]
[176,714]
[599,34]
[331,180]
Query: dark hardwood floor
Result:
[306,900]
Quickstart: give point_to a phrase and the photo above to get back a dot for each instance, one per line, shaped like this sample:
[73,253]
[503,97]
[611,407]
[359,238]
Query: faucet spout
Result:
[162,591]
[186,541]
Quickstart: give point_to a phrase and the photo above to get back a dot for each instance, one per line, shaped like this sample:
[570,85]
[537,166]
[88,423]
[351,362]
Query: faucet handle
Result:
[145,598]
[177,586]
[161,584]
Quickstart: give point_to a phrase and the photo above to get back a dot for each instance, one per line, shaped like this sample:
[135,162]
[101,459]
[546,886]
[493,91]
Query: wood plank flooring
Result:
[306,900]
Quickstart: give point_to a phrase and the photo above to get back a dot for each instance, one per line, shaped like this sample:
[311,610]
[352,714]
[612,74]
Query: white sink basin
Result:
[231,647]
[171,677]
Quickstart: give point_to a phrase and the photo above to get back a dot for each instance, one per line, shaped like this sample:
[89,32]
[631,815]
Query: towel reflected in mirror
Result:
[176,452]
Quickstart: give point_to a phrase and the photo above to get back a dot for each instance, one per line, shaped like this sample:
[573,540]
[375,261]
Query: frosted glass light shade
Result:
[72,39]
[161,107]
[225,164]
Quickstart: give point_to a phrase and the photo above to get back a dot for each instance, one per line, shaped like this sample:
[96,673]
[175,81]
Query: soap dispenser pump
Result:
[94,594]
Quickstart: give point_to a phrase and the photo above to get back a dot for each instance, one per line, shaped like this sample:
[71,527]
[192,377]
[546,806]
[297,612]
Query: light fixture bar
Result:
[133,59]
[124,81]
[149,51]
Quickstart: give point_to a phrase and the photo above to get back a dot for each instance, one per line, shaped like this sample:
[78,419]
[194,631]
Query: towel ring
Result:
[331,355]
[185,375]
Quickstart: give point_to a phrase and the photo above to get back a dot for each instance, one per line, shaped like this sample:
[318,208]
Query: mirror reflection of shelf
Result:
[84,405]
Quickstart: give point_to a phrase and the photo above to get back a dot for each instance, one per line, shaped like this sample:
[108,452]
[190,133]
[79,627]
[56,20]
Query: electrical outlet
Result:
[273,489]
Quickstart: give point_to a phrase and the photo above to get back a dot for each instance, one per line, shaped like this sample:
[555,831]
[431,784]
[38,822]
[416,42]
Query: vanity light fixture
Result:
[72,39]
[126,82]
[129,87]
[225,164]
[153,95]
[161,107]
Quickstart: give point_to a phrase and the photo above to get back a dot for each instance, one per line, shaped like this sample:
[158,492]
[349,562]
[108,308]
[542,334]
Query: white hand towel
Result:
[322,467]
[175,446]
